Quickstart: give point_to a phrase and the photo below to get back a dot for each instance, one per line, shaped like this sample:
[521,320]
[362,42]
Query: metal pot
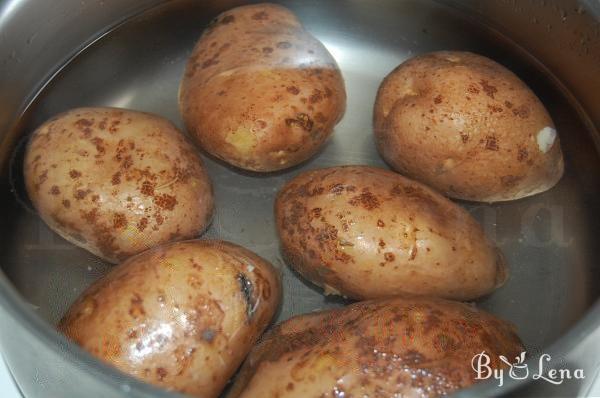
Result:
[66,53]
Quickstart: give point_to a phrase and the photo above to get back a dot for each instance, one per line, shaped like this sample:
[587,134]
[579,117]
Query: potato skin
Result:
[259,92]
[409,347]
[182,316]
[365,233]
[117,182]
[468,127]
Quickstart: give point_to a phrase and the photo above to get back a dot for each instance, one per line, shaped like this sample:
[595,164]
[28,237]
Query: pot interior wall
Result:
[548,239]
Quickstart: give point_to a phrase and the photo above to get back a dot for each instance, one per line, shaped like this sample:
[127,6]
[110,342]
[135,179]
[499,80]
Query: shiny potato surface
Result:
[365,232]
[398,347]
[117,182]
[260,92]
[468,127]
[181,316]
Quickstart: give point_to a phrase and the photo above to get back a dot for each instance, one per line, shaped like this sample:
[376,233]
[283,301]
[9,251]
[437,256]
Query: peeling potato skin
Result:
[403,346]
[117,182]
[366,233]
[176,316]
[466,126]
[259,92]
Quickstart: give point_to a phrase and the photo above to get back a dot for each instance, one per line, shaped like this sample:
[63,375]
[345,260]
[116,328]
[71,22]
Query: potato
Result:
[182,316]
[468,127]
[365,232]
[398,347]
[117,182]
[260,92]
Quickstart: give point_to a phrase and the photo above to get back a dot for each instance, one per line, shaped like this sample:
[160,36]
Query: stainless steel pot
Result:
[65,53]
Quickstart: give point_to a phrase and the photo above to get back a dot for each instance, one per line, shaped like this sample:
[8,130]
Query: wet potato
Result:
[468,127]
[259,92]
[365,232]
[117,182]
[182,316]
[409,347]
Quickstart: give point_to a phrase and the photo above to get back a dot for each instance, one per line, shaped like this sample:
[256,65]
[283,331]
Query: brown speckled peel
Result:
[365,232]
[410,346]
[176,316]
[117,182]
[466,126]
[284,116]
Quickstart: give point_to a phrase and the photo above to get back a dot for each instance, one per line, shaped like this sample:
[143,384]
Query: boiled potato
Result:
[260,92]
[399,347]
[468,127]
[365,232]
[117,182]
[182,316]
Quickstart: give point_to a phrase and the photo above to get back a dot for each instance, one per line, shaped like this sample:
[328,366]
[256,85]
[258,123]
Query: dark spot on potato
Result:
[315,213]
[114,126]
[55,190]
[119,221]
[521,111]
[316,96]
[247,290]
[116,178]
[165,201]
[381,243]
[81,124]
[208,335]
[81,194]
[495,108]
[522,155]
[209,62]
[66,203]
[380,223]
[267,50]
[326,234]
[413,253]
[293,90]
[99,143]
[508,104]
[510,180]
[260,16]
[161,373]
[136,308]
[159,219]
[147,188]
[488,88]
[336,189]
[90,216]
[74,174]
[142,224]
[261,123]
[491,143]
[437,99]
[464,137]
[389,257]
[473,89]
[290,386]
[366,200]
[284,44]
[302,120]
